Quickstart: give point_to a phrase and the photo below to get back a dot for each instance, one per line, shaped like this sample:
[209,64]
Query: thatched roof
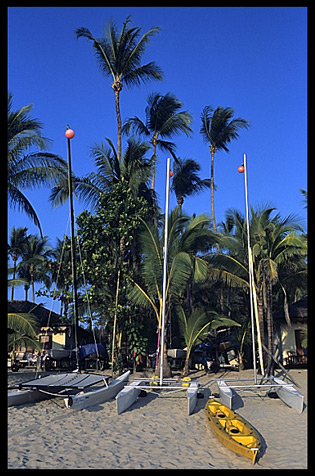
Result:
[297,310]
[42,314]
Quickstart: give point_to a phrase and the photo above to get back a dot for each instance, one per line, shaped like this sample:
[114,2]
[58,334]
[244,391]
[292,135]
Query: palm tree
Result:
[183,261]
[276,246]
[22,330]
[186,181]
[197,326]
[26,169]
[219,129]
[16,246]
[119,56]
[133,168]
[163,120]
[34,264]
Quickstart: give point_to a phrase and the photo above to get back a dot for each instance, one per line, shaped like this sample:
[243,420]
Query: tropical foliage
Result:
[120,234]
[28,169]
[197,327]
[163,120]
[119,56]
[218,129]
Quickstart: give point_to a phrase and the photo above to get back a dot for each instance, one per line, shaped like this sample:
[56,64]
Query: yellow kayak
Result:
[232,430]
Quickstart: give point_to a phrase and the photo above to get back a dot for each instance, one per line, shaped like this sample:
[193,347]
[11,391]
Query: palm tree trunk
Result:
[186,365]
[14,273]
[180,202]
[261,316]
[26,288]
[270,325]
[32,284]
[117,87]
[212,189]
[212,151]
[167,372]
[154,142]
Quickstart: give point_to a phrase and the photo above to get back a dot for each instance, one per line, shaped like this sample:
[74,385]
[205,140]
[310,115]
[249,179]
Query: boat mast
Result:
[165,266]
[250,271]
[70,135]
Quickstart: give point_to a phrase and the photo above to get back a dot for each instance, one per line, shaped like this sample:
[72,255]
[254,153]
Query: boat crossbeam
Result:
[155,387]
[260,385]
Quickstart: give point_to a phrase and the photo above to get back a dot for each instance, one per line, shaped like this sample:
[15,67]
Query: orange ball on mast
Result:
[69,133]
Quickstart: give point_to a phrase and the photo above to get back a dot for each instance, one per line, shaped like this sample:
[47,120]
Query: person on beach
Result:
[38,361]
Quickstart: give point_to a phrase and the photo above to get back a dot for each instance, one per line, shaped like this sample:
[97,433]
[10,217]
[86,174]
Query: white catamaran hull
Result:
[94,397]
[192,396]
[20,397]
[127,396]
[226,394]
[289,395]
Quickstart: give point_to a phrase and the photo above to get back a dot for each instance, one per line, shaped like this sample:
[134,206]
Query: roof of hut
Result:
[43,315]
[297,310]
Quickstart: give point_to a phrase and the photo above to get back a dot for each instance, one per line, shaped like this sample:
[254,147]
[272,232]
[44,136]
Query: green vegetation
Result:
[120,234]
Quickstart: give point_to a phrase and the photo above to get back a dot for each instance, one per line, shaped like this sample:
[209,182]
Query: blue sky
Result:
[253,59]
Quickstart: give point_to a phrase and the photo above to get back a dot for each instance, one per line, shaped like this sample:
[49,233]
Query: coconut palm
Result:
[163,121]
[34,264]
[119,56]
[26,169]
[183,261]
[219,129]
[197,326]
[186,181]
[22,329]
[276,246]
[133,168]
[16,246]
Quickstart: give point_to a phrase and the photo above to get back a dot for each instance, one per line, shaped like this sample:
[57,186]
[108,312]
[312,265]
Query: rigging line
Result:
[55,289]
[88,301]
[58,273]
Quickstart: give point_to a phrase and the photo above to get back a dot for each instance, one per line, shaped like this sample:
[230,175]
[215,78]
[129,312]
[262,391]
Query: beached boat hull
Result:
[289,395]
[232,430]
[94,397]
[226,394]
[20,397]
[127,396]
[192,392]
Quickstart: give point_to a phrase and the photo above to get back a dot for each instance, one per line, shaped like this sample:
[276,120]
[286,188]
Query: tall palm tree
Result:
[26,169]
[163,120]
[275,244]
[34,264]
[133,168]
[119,56]
[219,129]
[183,261]
[186,181]
[16,246]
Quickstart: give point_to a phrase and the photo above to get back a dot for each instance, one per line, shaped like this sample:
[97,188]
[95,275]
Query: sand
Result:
[155,433]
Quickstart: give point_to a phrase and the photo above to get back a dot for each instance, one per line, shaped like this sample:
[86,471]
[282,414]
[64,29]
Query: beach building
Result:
[289,338]
[54,336]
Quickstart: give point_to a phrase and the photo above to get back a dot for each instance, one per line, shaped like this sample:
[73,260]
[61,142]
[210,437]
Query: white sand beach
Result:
[155,433]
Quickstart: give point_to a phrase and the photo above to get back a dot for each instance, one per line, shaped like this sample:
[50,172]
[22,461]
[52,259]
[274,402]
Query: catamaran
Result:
[285,391]
[79,390]
[130,393]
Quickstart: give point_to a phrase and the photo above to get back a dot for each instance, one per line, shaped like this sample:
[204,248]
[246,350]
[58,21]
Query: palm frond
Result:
[25,323]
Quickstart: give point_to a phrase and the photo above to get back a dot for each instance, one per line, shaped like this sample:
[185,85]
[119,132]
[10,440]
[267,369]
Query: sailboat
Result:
[286,391]
[79,390]
[129,394]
